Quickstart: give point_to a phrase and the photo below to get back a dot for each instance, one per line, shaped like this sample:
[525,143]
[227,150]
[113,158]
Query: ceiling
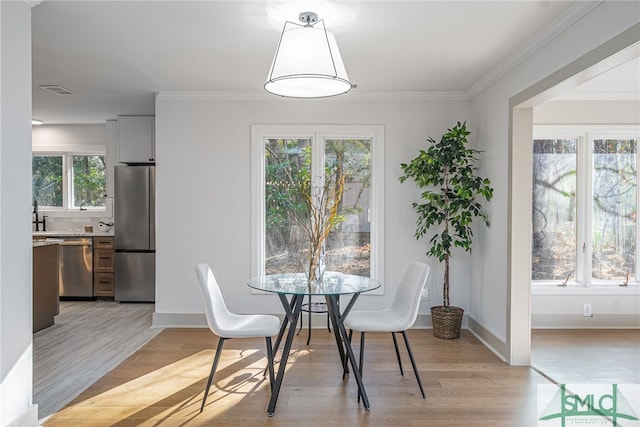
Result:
[116,55]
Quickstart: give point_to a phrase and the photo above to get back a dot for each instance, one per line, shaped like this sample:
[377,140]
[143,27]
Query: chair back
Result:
[407,299]
[216,310]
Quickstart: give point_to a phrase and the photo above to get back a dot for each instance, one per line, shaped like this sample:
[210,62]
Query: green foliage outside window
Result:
[46,180]
[88,181]
[87,186]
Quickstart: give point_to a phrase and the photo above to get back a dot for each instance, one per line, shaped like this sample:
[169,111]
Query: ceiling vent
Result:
[58,90]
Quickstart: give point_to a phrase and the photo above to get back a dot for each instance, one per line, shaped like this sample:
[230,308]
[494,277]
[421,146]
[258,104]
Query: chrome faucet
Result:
[37,222]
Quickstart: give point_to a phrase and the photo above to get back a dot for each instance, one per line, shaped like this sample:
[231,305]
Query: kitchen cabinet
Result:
[136,139]
[45,286]
[103,267]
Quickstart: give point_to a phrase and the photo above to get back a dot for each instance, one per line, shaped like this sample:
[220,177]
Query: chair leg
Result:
[300,328]
[216,359]
[395,345]
[346,360]
[361,361]
[309,327]
[413,363]
[270,362]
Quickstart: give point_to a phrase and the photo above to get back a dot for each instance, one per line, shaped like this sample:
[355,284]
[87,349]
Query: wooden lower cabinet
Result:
[45,286]
[103,267]
[103,284]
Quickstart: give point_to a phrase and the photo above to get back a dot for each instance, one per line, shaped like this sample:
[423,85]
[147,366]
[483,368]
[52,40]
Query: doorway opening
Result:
[619,50]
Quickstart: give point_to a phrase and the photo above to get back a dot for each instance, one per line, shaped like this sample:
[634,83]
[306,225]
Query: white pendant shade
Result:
[307,64]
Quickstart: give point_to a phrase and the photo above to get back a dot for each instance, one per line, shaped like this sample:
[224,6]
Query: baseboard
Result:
[318,321]
[28,419]
[492,342]
[179,320]
[577,321]
[423,321]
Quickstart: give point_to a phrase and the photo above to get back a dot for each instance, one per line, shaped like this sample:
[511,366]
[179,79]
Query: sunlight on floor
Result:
[179,386]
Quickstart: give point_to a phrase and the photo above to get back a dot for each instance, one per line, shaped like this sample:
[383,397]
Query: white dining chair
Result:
[397,318]
[227,325]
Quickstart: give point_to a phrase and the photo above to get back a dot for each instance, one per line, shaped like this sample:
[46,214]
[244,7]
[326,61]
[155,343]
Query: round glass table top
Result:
[332,283]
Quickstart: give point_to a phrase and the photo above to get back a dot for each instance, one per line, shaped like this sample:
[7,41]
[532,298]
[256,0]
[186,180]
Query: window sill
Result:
[75,213]
[632,289]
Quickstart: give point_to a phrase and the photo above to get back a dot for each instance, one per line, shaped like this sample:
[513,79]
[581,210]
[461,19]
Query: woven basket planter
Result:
[447,321]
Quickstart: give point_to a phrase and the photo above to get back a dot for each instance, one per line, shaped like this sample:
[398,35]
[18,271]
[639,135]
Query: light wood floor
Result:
[162,383]
[587,356]
[88,340]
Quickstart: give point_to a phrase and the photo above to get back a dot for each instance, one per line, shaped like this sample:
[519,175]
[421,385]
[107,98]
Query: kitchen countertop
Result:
[72,233]
[46,242]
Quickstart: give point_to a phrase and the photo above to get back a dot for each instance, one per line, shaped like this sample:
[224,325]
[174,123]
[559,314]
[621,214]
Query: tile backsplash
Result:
[73,223]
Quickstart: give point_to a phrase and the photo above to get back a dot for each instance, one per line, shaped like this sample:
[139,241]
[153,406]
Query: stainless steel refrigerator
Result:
[135,237]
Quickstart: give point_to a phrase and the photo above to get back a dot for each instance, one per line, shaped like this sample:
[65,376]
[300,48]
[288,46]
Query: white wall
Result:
[16,355]
[88,138]
[557,308]
[203,191]
[587,112]
[490,114]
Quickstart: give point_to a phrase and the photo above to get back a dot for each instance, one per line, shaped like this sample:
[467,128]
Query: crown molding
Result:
[32,3]
[407,96]
[351,96]
[569,17]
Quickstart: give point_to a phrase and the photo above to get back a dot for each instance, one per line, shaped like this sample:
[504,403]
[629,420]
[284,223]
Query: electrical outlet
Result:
[587,310]
[425,294]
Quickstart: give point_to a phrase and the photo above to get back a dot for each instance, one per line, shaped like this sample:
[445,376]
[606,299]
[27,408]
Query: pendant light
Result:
[307,63]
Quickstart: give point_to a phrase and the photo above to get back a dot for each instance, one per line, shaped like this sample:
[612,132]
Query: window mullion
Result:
[637,254]
[67,187]
[587,166]
[317,160]
[583,213]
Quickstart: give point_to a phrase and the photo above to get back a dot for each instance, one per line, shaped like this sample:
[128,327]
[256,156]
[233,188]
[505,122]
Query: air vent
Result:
[58,90]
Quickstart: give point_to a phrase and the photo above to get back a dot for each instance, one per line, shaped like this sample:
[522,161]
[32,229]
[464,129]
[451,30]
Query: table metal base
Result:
[293,309]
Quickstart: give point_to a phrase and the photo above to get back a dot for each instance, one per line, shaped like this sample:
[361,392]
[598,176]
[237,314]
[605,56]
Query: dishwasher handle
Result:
[76,242]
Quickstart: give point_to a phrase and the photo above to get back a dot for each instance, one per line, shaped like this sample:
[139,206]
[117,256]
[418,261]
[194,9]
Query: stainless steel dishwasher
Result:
[76,267]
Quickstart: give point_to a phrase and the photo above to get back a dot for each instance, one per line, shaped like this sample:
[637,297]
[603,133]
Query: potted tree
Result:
[446,172]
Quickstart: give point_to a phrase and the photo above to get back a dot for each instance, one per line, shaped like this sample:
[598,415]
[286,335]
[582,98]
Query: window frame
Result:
[585,136]
[318,134]
[67,184]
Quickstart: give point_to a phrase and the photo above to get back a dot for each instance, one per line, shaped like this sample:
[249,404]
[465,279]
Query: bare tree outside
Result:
[287,165]
[555,209]
[553,254]
[614,209]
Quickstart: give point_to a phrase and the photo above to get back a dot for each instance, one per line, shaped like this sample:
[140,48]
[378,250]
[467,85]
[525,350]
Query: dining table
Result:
[292,288]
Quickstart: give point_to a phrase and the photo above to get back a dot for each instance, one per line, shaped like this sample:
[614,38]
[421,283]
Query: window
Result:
[69,181]
[585,198]
[284,154]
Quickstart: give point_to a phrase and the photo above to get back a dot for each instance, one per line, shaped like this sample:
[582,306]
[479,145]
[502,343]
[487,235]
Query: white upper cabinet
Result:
[136,139]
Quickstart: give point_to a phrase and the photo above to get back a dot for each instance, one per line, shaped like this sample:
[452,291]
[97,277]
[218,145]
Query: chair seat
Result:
[248,326]
[376,321]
